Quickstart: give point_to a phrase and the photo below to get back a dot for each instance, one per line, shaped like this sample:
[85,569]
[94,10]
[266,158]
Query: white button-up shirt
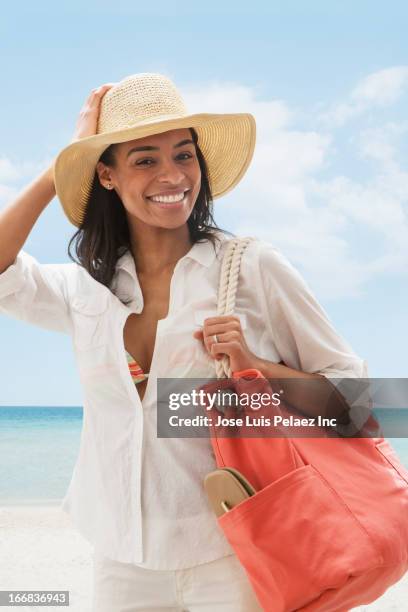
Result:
[138,498]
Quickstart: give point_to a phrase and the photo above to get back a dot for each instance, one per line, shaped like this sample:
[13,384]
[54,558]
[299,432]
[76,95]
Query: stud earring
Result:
[109,186]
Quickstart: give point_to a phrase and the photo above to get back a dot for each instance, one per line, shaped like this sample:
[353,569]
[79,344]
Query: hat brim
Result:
[227,142]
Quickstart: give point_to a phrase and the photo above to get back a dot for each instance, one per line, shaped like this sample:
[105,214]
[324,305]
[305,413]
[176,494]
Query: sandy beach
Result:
[40,549]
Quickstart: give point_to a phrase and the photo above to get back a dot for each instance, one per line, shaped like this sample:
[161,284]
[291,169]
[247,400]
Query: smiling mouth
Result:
[169,200]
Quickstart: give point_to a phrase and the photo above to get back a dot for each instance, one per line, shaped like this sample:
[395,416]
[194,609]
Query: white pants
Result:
[218,586]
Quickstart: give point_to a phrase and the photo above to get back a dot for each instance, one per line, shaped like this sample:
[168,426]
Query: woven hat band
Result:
[139,100]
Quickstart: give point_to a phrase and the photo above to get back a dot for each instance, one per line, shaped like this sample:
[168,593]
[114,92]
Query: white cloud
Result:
[9,171]
[6,194]
[15,175]
[341,232]
[379,89]
[381,142]
[227,97]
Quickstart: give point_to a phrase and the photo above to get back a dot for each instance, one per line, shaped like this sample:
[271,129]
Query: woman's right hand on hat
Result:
[89,113]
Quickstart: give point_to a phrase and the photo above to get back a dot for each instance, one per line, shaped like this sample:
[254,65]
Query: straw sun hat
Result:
[142,105]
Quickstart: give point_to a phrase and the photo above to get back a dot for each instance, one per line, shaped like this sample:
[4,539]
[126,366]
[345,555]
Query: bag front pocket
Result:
[296,538]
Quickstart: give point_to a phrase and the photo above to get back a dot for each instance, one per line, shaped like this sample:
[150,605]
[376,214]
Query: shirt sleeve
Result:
[303,334]
[36,293]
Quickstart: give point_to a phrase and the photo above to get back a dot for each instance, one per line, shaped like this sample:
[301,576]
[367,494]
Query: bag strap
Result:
[227,290]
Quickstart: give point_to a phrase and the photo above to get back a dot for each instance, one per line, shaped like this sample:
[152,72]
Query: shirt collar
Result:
[203,253]
[127,286]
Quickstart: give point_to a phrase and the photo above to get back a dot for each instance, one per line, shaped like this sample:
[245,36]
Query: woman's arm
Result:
[300,329]
[310,349]
[317,398]
[30,291]
[18,219]
[309,393]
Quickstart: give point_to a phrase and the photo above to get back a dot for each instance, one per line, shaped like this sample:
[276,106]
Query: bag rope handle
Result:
[227,291]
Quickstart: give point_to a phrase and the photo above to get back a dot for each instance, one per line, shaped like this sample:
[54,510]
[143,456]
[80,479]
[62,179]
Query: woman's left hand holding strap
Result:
[223,335]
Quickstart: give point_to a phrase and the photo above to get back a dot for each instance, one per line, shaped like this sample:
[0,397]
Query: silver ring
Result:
[215,338]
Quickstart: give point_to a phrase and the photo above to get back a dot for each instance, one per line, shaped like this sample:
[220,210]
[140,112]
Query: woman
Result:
[138,182]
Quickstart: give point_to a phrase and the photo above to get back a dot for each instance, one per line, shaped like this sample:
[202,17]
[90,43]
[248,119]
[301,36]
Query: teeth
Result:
[173,198]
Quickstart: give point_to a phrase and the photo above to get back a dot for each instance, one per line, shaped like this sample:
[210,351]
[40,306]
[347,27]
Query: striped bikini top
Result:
[135,370]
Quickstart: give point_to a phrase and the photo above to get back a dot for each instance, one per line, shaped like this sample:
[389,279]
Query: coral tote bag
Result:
[327,528]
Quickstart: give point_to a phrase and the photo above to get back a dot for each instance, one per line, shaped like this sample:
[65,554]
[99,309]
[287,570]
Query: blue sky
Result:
[328,85]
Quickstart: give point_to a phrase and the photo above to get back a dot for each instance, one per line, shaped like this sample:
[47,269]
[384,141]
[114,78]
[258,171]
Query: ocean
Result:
[38,449]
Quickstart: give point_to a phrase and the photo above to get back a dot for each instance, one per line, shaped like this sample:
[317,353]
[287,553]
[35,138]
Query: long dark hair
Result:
[104,236]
